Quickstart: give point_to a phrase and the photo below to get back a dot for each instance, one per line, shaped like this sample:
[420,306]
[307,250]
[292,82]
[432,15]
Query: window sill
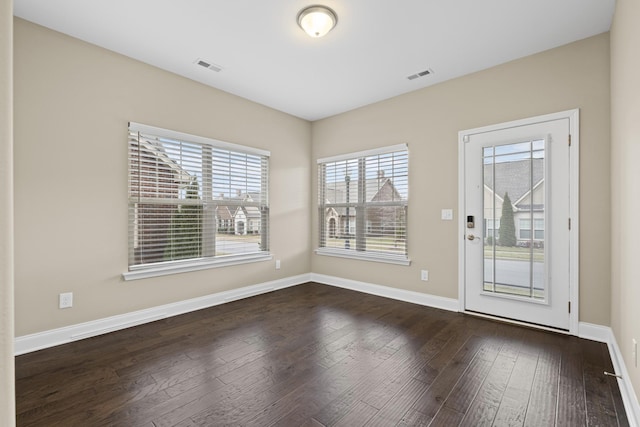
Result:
[364,256]
[184,267]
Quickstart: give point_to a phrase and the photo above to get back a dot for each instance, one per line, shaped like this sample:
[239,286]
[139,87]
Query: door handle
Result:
[470,237]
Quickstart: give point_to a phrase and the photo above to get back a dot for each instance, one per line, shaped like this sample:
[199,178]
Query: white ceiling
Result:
[267,58]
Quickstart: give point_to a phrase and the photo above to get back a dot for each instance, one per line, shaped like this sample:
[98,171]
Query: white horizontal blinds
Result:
[386,202]
[165,199]
[363,202]
[240,193]
[238,173]
[192,201]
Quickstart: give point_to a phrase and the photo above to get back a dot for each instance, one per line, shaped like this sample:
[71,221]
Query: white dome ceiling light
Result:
[316,20]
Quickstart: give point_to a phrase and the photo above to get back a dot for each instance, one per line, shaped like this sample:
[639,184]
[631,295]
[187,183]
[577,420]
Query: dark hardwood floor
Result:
[315,355]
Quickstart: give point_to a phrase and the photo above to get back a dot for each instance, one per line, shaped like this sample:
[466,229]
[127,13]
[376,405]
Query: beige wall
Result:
[7,398]
[572,76]
[625,181]
[74,111]
[72,104]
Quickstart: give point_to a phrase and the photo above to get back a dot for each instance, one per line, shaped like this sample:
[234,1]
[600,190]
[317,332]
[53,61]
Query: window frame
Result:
[161,268]
[532,232]
[359,190]
[492,231]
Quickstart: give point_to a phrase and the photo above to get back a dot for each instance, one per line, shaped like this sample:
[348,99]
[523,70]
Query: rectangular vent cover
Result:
[207,64]
[420,74]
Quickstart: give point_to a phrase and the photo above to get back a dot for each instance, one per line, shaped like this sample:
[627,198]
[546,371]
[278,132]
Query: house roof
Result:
[337,192]
[226,213]
[230,211]
[223,213]
[509,177]
[251,196]
[157,150]
[251,211]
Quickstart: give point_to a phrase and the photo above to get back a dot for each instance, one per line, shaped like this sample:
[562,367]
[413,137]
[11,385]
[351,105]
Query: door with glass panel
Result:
[516,222]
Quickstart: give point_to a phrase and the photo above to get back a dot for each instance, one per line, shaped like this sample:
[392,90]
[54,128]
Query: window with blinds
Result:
[194,201]
[362,201]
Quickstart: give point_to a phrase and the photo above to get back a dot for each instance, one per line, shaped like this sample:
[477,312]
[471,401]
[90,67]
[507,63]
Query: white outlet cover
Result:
[65,300]
[447,215]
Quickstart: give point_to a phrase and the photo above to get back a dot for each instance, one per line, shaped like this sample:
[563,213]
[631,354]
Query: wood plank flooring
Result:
[315,355]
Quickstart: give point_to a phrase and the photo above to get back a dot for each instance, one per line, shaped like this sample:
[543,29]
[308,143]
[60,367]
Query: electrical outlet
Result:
[424,275]
[66,300]
[277,264]
[634,352]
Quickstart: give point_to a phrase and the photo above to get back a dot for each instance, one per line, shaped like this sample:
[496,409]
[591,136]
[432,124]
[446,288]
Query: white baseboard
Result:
[605,334]
[594,332]
[443,303]
[51,338]
[586,330]
[41,340]
[629,397]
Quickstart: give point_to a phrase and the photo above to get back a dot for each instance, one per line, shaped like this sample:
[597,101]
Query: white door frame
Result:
[574,186]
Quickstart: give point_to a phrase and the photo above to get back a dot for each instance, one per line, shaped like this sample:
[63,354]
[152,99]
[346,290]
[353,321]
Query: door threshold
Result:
[517,322]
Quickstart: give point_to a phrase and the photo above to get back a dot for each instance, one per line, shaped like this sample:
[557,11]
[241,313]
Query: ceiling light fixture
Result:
[317,20]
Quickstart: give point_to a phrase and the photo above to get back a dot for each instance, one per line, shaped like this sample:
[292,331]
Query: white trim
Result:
[363,256]
[38,341]
[28,343]
[515,322]
[574,214]
[462,221]
[590,331]
[181,136]
[574,203]
[428,300]
[365,153]
[570,114]
[141,272]
[629,398]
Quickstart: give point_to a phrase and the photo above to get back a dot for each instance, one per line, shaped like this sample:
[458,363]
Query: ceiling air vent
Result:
[420,74]
[207,64]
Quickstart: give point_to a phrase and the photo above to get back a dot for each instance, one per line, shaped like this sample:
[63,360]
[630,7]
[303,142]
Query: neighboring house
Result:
[527,200]
[224,219]
[153,220]
[247,220]
[239,220]
[379,220]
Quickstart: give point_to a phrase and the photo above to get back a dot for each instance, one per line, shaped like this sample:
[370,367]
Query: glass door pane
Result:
[514,213]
